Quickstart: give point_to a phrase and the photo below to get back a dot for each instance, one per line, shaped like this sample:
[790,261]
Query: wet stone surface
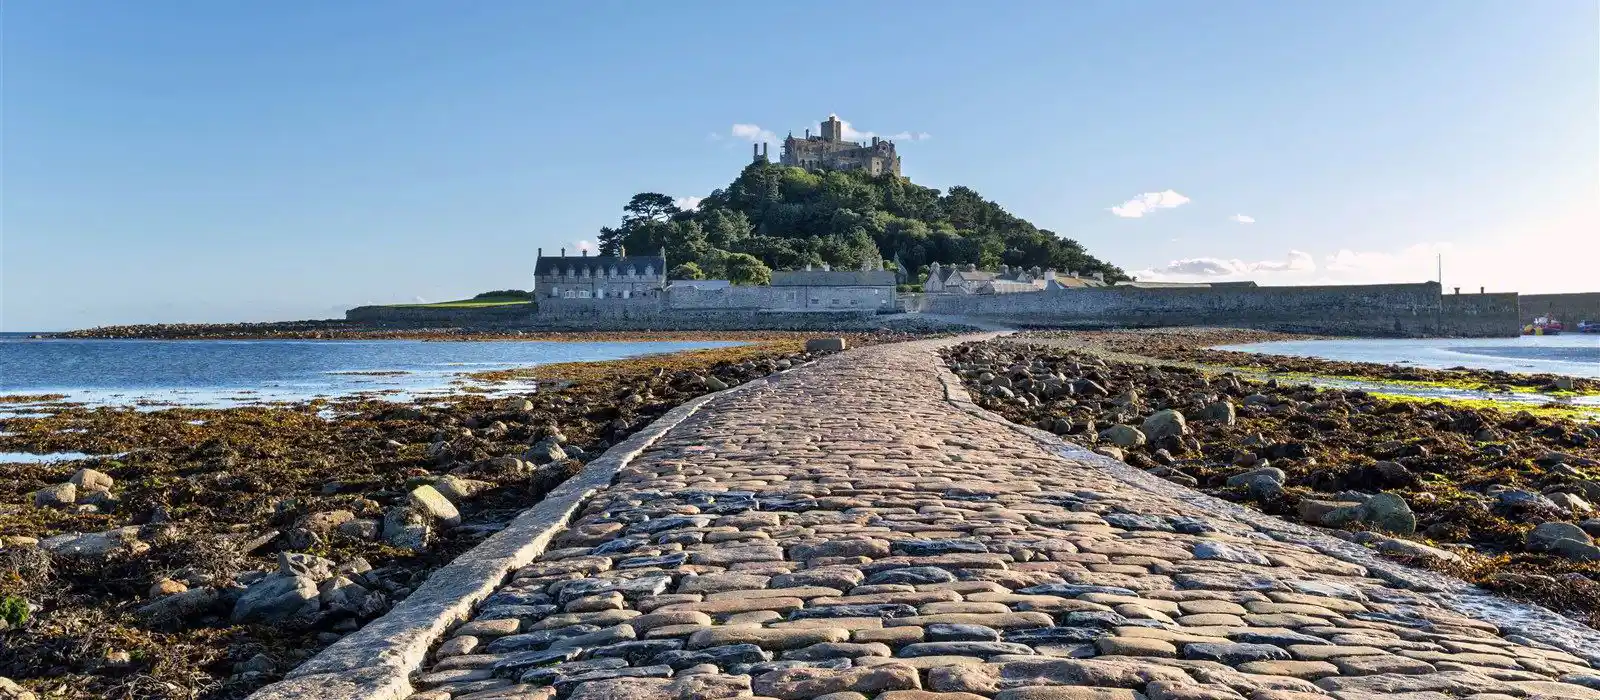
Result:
[847,533]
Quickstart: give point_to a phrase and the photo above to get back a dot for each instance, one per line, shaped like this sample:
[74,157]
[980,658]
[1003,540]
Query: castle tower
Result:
[758,152]
[833,129]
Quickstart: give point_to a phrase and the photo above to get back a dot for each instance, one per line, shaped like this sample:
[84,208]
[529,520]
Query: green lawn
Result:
[468,303]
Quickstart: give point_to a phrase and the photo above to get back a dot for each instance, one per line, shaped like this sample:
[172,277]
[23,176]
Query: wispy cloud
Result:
[688,203]
[582,245]
[1296,261]
[752,133]
[1148,202]
[1241,218]
[851,133]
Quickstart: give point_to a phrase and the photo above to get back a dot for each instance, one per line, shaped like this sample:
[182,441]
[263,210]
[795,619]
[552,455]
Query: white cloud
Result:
[1241,218]
[1188,268]
[851,133]
[752,133]
[582,245]
[1149,202]
[688,203]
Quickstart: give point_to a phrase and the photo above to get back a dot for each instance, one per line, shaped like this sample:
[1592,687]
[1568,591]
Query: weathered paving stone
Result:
[845,533]
[1234,654]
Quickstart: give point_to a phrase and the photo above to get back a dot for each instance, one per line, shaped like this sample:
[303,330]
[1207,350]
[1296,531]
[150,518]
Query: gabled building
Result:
[586,276]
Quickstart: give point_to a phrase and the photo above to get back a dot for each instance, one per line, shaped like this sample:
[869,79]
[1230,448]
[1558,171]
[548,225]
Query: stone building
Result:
[586,276]
[829,151]
[968,279]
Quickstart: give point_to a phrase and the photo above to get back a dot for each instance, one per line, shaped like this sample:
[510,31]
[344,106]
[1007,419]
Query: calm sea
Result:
[1573,354]
[235,372]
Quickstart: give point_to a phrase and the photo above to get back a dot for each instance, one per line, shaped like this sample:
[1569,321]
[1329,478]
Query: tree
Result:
[649,206]
[686,271]
[786,218]
[746,269]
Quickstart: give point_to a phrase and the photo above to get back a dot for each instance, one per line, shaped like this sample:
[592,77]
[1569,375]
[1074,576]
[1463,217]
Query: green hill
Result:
[778,217]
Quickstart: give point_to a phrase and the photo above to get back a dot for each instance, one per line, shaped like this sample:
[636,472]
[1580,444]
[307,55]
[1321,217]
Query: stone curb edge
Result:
[376,661]
[1512,617]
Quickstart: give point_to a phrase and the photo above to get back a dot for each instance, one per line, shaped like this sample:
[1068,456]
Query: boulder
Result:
[11,690]
[95,546]
[1218,412]
[360,528]
[428,499]
[1572,503]
[544,452]
[715,384]
[825,345]
[180,608]
[309,565]
[57,496]
[1163,424]
[458,489]
[407,527]
[91,480]
[1389,512]
[1248,478]
[275,598]
[1124,436]
[1544,537]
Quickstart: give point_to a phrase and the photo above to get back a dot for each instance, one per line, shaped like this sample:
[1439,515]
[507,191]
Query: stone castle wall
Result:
[1567,308]
[1388,310]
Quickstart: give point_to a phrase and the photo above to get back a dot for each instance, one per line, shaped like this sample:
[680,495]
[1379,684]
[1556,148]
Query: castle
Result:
[830,151]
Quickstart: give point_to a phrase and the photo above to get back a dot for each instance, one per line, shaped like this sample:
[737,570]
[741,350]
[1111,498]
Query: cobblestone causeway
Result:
[846,533]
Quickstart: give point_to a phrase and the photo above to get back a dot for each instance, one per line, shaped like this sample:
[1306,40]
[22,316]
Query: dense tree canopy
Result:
[778,217]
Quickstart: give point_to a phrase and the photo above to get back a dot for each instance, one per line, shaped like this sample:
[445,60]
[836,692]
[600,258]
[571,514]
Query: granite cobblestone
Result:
[844,532]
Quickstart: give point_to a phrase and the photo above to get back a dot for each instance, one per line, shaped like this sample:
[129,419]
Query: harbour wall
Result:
[1566,308]
[1396,310]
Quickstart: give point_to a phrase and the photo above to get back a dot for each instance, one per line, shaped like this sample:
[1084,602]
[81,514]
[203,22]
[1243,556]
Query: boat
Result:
[1589,326]
[1543,325]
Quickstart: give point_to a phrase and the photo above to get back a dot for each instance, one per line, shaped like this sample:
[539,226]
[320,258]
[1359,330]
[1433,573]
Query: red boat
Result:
[1543,325]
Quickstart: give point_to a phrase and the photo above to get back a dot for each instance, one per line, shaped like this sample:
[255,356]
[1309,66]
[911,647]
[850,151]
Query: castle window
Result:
[555,292]
[583,294]
[586,273]
[602,293]
[568,294]
[649,270]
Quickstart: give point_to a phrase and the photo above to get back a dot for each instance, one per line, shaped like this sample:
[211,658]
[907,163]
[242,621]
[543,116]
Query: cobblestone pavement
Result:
[846,533]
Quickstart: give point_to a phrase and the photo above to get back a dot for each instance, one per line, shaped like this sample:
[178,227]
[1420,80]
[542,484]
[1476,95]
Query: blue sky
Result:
[190,161]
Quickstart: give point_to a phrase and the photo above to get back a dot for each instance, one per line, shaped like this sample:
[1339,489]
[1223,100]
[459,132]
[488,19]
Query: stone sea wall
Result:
[1567,308]
[508,316]
[1400,310]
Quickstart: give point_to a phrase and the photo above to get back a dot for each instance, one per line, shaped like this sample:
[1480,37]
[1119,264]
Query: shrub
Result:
[13,610]
[501,293]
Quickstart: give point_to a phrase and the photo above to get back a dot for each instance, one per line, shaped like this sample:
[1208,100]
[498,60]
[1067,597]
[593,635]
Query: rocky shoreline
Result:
[221,547]
[1197,346]
[1502,498]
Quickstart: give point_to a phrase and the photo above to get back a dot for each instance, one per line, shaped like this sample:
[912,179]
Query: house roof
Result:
[973,275]
[558,264]
[832,278]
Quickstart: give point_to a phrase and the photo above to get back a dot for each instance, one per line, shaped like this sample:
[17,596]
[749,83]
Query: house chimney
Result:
[541,253]
[584,251]
[1458,291]
[1480,290]
[827,268]
[563,252]
[808,267]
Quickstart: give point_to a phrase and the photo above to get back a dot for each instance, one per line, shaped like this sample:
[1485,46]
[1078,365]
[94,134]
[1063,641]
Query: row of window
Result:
[649,271]
[601,293]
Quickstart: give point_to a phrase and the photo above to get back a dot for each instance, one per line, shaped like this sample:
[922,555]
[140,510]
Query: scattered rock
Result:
[1124,436]
[1164,424]
[429,500]
[57,496]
